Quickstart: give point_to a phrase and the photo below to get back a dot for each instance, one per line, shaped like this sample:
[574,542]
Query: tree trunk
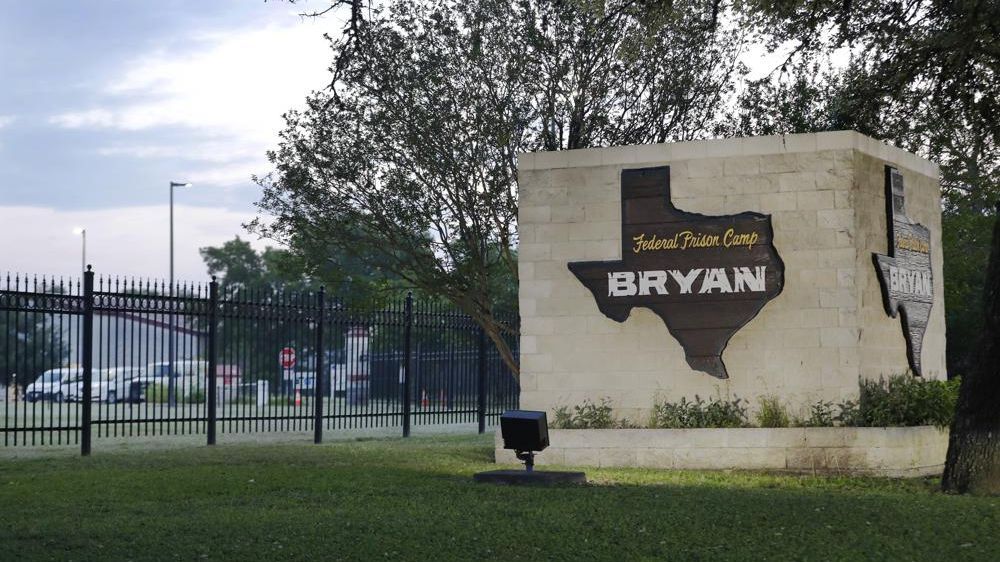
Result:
[506,353]
[973,463]
[494,331]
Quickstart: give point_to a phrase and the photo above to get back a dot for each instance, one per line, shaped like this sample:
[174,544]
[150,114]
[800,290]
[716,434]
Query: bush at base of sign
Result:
[772,413]
[825,414]
[590,416]
[896,401]
[698,413]
[902,400]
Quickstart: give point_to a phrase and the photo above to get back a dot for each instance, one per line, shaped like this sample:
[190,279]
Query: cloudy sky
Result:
[103,103]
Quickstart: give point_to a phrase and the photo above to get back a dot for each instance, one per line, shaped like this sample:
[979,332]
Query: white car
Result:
[107,385]
[53,384]
[120,381]
[72,387]
[189,379]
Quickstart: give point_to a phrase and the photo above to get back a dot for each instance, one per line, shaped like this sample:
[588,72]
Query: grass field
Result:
[414,499]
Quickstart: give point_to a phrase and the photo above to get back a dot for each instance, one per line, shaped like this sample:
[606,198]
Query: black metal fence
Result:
[119,358]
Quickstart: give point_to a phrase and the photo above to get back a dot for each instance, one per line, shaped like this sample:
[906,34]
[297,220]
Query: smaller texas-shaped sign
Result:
[704,276]
[905,274]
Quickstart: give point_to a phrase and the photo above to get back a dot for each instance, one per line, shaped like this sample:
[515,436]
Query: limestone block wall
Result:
[876,451]
[825,193]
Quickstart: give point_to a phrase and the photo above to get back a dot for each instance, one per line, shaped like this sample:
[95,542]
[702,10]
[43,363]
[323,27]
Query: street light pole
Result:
[171,389]
[83,261]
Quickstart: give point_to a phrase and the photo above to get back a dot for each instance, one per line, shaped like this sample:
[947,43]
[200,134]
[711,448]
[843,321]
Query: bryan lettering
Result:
[694,281]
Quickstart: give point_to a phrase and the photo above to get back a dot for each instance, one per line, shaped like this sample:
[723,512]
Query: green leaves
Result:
[717,412]
[409,162]
[589,416]
[904,400]
[921,75]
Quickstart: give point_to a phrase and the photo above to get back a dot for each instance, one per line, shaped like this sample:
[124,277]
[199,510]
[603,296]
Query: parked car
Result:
[182,368]
[189,379]
[52,384]
[73,388]
[119,381]
[107,385]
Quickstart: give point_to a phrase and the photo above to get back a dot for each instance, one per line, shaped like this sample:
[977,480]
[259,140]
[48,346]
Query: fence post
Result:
[318,384]
[481,384]
[88,360]
[407,349]
[213,307]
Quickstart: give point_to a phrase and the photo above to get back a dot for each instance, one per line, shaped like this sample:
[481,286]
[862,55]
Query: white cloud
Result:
[228,88]
[130,241]
[81,119]
[209,151]
[6,120]
[227,175]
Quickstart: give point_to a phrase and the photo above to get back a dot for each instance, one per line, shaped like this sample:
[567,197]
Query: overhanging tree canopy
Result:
[410,158]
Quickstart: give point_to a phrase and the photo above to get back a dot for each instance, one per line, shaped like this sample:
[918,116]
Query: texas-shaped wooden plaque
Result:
[704,276]
[905,274]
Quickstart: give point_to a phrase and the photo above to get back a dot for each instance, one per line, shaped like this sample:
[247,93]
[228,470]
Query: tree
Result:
[277,275]
[33,342]
[236,262]
[306,267]
[923,74]
[409,159]
[966,240]
[973,463]
[935,59]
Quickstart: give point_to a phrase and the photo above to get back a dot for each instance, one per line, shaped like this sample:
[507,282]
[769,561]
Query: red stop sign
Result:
[287,357]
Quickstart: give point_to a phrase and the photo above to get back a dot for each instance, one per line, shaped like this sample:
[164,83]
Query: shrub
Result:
[821,414]
[589,416]
[849,415]
[156,393]
[900,400]
[772,413]
[684,414]
[903,400]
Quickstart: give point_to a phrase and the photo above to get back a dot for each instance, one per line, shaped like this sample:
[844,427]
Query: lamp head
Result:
[524,430]
[180,184]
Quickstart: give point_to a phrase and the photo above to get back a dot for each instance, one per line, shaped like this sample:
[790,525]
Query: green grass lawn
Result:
[415,500]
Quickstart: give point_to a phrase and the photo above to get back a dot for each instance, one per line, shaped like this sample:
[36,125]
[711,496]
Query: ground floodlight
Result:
[526,432]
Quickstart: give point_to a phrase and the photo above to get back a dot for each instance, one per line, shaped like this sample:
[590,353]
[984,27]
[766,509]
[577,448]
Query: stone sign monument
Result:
[765,258]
